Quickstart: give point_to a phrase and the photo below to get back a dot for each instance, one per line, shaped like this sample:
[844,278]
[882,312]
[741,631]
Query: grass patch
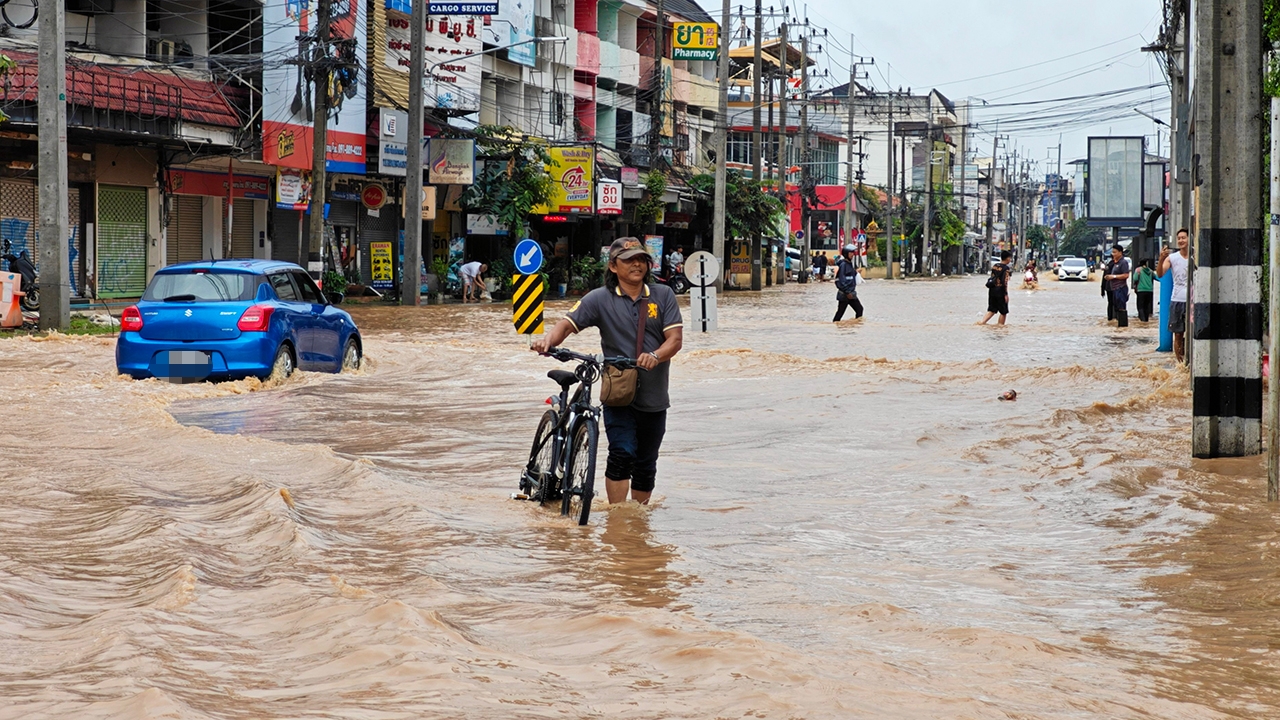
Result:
[80,325]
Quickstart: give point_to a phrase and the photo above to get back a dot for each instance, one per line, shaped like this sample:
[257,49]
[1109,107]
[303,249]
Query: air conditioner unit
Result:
[166,51]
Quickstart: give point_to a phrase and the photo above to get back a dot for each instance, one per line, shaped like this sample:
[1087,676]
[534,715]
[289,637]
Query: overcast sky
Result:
[1010,51]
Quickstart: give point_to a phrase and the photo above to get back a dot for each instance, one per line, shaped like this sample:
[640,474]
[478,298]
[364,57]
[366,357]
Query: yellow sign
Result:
[694,41]
[740,257]
[527,292]
[572,172]
[380,267]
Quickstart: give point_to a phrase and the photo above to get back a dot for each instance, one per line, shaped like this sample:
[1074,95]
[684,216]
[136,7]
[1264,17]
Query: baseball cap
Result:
[625,248]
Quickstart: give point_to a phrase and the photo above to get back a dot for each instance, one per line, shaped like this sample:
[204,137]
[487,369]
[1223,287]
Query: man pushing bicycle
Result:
[636,319]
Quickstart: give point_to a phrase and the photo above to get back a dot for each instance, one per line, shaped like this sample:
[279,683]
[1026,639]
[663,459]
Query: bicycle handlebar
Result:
[566,355]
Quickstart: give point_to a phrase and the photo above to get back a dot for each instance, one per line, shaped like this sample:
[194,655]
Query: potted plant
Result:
[558,282]
[500,271]
[436,278]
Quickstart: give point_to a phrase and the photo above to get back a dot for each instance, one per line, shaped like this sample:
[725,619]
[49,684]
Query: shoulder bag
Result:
[618,386]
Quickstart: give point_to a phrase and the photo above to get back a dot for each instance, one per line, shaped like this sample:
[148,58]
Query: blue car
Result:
[233,319]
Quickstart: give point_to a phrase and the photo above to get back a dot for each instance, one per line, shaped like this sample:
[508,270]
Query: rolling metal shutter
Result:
[122,241]
[284,235]
[76,257]
[186,229]
[18,222]
[384,228]
[243,239]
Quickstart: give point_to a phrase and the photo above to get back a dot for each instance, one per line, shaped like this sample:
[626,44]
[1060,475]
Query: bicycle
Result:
[562,461]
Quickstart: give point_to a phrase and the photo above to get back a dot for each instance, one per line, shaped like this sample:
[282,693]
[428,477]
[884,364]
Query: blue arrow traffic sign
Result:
[528,257]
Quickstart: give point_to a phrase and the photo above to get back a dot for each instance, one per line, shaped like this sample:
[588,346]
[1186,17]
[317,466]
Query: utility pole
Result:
[55,266]
[319,136]
[655,103]
[1226,342]
[722,145]
[1180,118]
[964,177]
[411,273]
[804,140]
[926,231]
[780,161]
[991,194]
[850,202]
[1273,301]
[756,164]
[888,196]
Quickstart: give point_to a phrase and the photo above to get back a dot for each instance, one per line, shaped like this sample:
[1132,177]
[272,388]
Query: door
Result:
[122,241]
[326,327]
[299,321]
[185,230]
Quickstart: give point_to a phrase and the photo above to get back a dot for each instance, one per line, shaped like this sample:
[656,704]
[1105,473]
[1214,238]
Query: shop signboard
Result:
[1115,180]
[630,176]
[609,198]
[380,267]
[462,8]
[287,102]
[513,23]
[451,162]
[694,41]
[572,170]
[393,139]
[484,225]
[740,257]
[374,196]
[198,182]
[452,45]
[293,189]
[428,202]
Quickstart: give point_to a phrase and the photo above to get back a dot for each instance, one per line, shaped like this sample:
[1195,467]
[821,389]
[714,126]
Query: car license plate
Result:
[189,365]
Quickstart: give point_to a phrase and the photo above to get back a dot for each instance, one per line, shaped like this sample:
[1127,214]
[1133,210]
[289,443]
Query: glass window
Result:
[307,288]
[202,286]
[283,286]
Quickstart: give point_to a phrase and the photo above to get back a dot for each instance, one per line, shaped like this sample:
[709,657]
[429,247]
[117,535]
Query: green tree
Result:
[1080,238]
[514,179]
[947,225]
[1039,239]
[748,208]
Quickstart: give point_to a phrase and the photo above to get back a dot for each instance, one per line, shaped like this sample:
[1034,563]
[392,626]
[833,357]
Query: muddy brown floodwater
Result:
[848,524]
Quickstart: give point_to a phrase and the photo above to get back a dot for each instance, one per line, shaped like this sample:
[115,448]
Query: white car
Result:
[1073,268]
[1057,262]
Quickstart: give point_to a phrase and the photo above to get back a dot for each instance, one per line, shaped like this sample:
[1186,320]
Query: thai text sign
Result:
[694,41]
[452,44]
[451,162]
[609,198]
[293,189]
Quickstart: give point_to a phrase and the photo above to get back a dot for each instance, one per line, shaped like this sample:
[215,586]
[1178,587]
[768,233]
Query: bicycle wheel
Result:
[539,475]
[580,473]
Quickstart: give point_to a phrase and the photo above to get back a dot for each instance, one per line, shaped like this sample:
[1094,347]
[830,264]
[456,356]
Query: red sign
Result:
[555,218]
[214,184]
[373,196]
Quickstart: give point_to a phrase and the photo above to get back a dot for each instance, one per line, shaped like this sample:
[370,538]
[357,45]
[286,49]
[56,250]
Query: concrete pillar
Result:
[1226,323]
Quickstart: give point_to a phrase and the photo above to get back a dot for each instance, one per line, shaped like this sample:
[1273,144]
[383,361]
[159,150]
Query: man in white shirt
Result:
[470,274]
[1179,263]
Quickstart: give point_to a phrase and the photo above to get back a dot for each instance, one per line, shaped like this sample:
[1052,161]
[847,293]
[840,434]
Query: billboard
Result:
[451,162]
[1115,180]
[287,102]
[694,41]
[513,23]
[450,84]
[572,170]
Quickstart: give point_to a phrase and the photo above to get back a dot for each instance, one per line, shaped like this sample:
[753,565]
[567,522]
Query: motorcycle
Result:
[21,264]
[673,278]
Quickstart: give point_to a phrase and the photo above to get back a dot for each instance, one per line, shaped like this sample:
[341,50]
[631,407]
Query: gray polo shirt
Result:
[618,317]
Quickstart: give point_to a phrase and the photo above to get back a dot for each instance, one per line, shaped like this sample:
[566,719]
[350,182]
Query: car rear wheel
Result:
[351,357]
[283,365]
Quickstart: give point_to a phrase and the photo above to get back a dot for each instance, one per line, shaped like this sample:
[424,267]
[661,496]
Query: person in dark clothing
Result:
[998,290]
[1118,286]
[847,279]
[823,261]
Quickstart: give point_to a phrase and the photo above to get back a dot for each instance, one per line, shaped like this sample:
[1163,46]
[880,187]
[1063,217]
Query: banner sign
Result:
[393,138]
[462,8]
[451,162]
[198,182]
[293,189]
[380,267]
[1114,184]
[513,23]
[695,41]
[484,225]
[609,198]
[287,102]
[451,84]
[653,245]
[572,170]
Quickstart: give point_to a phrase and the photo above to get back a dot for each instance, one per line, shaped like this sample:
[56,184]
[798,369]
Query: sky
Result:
[1005,52]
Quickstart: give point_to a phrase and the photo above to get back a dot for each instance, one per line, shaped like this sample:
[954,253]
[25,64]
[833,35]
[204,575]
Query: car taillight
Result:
[131,319]
[256,319]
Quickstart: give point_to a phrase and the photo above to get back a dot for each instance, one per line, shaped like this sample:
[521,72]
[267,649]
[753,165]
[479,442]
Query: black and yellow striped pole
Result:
[527,296]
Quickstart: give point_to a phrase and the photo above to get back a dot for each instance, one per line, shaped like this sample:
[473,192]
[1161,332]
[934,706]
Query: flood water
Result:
[848,524]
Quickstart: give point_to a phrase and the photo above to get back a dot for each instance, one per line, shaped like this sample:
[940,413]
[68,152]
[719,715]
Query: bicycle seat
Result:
[564,377]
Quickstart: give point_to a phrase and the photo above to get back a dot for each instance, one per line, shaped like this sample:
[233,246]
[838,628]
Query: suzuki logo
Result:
[187,313]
